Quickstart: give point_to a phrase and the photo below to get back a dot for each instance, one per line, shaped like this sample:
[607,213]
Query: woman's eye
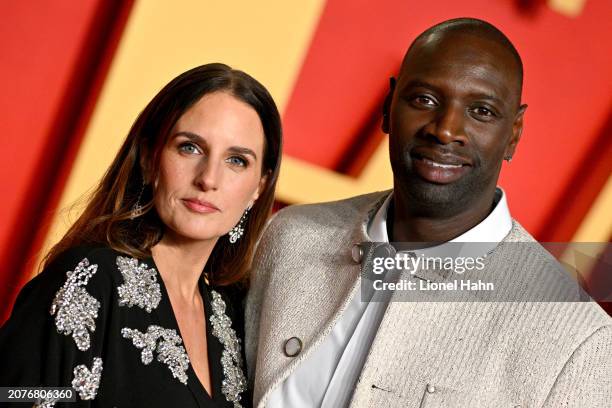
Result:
[237,161]
[189,148]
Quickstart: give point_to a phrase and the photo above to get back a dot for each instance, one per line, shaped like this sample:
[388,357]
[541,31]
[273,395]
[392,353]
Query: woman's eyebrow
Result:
[199,139]
[243,150]
[191,136]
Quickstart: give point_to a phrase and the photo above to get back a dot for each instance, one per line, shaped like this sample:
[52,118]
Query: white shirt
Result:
[327,377]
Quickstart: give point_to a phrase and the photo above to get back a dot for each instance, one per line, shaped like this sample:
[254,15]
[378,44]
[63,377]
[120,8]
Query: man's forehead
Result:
[438,54]
[461,66]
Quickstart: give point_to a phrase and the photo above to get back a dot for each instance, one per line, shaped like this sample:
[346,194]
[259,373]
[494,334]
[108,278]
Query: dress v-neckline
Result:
[167,318]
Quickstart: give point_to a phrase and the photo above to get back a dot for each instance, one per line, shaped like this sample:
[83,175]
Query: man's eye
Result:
[237,161]
[483,112]
[424,100]
[189,148]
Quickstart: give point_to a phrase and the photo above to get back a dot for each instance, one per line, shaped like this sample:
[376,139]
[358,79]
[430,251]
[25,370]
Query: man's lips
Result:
[200,206]
[439,168]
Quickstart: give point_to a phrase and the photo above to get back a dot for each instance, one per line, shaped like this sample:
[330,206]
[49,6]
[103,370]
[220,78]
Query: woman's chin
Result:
[191,234]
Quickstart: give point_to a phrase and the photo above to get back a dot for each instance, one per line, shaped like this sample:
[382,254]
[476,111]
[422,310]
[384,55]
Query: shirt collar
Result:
[493,228]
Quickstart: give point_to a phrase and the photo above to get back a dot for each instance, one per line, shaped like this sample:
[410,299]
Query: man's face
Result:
[454,115]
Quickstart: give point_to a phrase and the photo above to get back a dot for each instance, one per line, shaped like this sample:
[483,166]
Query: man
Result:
[453,115]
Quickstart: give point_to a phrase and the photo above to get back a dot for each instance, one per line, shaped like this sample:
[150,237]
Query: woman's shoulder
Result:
[71,268]
[96,268]
[92,254]
[81,283]
[95,258]
[82,264]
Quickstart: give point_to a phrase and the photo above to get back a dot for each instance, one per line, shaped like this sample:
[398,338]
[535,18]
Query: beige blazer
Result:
[425,354]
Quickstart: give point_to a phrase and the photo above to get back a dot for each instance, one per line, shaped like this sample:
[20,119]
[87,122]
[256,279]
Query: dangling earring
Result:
[508,159]
[137,208]
[236,232]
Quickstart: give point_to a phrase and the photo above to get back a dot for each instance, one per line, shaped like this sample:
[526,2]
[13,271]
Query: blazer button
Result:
[293,346]
[357,253]
[431,388]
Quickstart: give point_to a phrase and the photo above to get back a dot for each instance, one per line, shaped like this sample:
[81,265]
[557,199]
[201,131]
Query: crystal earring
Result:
[137,207]
[236,232]
[508,159]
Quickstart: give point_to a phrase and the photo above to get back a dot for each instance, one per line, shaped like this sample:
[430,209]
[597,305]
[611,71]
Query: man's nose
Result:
[209,174]
[448,126]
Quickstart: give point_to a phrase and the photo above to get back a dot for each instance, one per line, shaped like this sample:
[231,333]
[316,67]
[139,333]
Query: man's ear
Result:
[517,130]
[387,105]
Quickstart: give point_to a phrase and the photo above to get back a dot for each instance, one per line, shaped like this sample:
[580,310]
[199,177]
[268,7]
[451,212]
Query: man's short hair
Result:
[474,26]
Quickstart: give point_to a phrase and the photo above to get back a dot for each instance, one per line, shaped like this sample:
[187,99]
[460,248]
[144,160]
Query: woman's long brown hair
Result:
[107,220]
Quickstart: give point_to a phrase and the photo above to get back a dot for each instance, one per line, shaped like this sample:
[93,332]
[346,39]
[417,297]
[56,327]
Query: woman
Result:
[139,304]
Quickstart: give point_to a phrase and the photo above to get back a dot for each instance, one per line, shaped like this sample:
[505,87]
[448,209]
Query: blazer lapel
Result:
[334,269]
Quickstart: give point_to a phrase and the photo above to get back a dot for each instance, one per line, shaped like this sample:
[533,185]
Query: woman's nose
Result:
[209,175]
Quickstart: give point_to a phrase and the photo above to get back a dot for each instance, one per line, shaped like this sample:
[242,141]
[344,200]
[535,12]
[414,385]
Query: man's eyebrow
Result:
[417,83]
[199,139]
[486,97]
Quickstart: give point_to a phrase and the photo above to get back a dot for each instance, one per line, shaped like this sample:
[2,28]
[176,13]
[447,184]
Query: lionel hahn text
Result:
[426,285]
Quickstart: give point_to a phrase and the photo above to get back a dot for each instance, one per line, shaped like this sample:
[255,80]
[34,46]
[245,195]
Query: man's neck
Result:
[408,225]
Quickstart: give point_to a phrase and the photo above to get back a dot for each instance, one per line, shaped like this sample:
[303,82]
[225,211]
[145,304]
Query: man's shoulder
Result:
[531,262]
[329,215]
[520,240]
[311,228]
[518,233]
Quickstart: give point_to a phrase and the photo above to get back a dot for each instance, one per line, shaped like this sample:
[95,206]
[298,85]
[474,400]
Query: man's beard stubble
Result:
[438,200]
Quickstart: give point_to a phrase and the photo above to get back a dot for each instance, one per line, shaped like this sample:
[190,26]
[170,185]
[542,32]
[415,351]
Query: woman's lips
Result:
[201,207]
[438,173]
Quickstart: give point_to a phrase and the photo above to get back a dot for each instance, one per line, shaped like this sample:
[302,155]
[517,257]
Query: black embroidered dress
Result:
[102,323]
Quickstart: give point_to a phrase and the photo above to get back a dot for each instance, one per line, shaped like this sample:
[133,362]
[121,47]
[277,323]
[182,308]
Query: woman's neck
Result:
[180,263]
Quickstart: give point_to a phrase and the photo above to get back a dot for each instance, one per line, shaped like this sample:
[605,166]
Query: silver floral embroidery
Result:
[46,403]
[234,382]
[140,285]
[169,349]
[76,310]
[86,381]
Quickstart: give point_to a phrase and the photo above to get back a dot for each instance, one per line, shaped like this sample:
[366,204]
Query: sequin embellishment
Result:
[46,403]
[86,381]
[140,285]
[75,310]
[234,382]
[169,349]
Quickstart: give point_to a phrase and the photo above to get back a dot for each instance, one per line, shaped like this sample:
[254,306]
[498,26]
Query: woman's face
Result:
[210,168]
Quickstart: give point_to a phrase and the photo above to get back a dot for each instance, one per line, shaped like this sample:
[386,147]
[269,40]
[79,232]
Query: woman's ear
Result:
[260,188]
